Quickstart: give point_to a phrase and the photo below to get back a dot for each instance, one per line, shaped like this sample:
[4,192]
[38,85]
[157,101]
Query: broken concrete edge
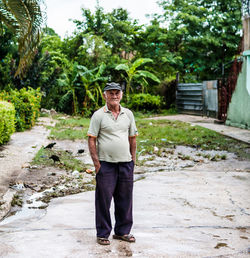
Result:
[6,206]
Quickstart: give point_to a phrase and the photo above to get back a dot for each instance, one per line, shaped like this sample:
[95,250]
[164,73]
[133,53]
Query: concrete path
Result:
[15,155]
[21,149]
[233,132]
[176,214]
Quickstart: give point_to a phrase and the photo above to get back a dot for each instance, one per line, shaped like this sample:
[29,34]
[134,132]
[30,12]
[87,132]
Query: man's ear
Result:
[104,95]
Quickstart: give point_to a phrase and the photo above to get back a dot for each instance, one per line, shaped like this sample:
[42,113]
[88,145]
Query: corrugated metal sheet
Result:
[189,98]
[198,98]
[210,93]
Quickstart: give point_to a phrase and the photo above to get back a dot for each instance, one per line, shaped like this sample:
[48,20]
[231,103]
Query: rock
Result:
[156,149]
[19,186]
[89,171]
[75,173]
[45,111]
[26,165]
[53,112]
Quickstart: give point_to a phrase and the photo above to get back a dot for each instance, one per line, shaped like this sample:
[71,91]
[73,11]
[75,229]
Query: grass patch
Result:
[165,133]
[67,161]
[72,128]
[160,133]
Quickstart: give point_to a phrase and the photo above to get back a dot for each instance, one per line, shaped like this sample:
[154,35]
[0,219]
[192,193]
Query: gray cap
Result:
[112,86]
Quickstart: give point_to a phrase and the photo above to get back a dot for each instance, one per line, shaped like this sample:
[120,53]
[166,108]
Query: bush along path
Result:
[61,165]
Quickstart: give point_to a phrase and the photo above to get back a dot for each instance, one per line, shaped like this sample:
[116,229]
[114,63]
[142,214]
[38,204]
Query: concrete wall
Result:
[239,109]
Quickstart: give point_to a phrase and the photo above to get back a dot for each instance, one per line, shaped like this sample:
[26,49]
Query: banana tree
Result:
[71,81]
[133,73]
[25,19]
[90,80]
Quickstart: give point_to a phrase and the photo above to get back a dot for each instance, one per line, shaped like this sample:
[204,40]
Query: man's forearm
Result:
[132,143]
[93,152]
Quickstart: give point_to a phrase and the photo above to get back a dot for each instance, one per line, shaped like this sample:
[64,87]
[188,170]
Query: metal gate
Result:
[210,99]
[189,98]
[198,98]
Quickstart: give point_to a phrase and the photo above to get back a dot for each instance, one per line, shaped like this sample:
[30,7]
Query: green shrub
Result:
[145,102]
[27,104]
[7,121]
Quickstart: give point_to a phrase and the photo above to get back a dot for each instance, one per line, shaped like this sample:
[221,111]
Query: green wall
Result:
[239,109]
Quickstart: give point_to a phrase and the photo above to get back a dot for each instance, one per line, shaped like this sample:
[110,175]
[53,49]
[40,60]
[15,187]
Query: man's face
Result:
[113,97]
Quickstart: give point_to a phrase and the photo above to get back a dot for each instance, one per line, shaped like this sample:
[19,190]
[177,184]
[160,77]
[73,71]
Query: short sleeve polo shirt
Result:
[113,134]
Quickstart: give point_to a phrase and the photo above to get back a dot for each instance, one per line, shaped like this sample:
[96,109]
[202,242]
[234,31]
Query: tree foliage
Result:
[194,38]
[204,33]
[132,73]
[24,18]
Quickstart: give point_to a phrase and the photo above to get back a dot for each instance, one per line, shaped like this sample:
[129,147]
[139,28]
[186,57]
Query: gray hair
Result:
[106,91]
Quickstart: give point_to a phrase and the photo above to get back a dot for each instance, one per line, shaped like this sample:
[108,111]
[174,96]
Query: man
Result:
[112,145]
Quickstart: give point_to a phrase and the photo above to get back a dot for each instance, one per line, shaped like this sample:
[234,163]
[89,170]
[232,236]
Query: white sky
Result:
[60,11]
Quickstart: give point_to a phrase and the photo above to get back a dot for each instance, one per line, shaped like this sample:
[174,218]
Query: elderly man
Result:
[112,144]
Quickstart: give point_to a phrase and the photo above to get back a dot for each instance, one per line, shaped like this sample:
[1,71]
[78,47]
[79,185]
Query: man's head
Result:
[112,93]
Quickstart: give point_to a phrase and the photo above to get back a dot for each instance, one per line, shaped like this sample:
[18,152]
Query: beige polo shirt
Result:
[113,134]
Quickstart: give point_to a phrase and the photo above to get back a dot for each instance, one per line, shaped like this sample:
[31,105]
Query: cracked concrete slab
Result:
[176,214]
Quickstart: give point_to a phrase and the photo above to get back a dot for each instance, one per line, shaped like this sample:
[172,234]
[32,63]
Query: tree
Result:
[8,49]
[205,33]
[122,32]
[90,80]
[116,29]
[80,77]
[134,74]
[52,63]
[153,43]
[24,18]
[70,81]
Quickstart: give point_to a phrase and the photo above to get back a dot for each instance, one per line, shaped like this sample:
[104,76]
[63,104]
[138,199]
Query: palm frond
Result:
[65,100]
[25,18]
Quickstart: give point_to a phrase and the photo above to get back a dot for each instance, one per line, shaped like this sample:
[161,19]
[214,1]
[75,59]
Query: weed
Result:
[17,201]
[206,156]
[67,161]
[1,203]
[184,157]
[224,156]
[219,245]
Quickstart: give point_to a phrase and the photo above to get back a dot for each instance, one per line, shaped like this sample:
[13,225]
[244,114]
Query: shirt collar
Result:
[106,110]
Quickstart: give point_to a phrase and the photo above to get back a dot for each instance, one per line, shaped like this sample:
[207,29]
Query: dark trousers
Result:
[114,180]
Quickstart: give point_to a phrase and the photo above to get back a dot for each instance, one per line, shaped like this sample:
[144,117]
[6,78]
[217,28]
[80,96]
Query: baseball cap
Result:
[112,86]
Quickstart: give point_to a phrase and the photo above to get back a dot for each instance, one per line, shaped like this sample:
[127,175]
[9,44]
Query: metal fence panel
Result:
[198,98]
[189,98]
[210,93]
